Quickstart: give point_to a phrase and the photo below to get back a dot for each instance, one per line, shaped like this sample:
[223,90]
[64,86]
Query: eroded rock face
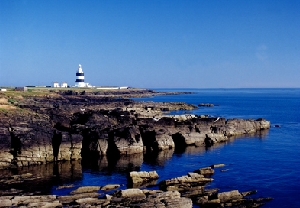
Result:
[69,127]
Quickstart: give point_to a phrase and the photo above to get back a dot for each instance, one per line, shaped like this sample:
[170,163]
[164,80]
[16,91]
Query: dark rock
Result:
[72,125]
[206,104]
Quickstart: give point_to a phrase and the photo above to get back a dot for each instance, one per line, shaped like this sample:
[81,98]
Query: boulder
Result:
[217,165]
[207,171]
[184,182]
[130,193]
[229,196]
[139,178]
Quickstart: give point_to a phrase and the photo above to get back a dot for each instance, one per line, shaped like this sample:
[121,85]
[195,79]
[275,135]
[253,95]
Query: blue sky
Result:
[151,44]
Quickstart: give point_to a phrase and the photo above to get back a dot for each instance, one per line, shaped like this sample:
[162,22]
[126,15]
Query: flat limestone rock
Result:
[72,198]
[142,176]
[91,201]
[53,204]
[217,165]
[206,171]
[130,193]
[230,195]
[110,187]
[195,175]
[86,189]
[6,202]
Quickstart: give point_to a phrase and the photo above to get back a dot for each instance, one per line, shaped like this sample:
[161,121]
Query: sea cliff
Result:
[42,128]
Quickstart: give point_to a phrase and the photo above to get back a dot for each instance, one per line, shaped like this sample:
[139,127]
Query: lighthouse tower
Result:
[79,77]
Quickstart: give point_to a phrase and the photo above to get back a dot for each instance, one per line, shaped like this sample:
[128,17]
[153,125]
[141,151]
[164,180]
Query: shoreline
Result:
[77,115]
[185,191]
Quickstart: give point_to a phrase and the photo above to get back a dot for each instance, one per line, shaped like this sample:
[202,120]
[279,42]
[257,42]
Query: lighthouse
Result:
[80,77]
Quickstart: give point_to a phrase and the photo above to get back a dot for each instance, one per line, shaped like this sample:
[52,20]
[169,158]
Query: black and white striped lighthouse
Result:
[79,77]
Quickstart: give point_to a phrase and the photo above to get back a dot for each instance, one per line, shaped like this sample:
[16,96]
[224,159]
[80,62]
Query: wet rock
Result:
[127,197]
[110,187]
[217,165]
[70,199]
[143,176]
[206,104]
[210,192]
[247,193]
[207,171]
[167,199]
[229,196]
[92,202]
[65,187]
[183,183]
[129,193]
[86,189]
[202,200]
[183,197]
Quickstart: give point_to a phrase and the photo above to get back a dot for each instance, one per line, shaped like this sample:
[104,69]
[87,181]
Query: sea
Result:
[268,162]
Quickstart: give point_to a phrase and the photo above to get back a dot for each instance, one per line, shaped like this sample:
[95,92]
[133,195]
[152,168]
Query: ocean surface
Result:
[268,162]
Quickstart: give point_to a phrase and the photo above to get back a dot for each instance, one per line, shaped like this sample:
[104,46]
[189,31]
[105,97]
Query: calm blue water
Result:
[268,163]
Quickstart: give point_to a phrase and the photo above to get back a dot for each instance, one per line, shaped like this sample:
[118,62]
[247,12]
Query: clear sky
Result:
[150,43]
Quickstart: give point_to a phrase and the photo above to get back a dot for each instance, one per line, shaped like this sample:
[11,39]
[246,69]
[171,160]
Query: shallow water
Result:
[268,162]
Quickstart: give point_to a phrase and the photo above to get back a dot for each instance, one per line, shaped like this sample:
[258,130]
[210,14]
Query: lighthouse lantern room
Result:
[79,77]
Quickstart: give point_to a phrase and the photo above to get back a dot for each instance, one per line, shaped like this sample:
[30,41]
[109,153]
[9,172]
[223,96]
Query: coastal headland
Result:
[45,126]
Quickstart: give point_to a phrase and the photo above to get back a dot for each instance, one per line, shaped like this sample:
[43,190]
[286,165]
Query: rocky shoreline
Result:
[185,191]
[67,127]
[38,129]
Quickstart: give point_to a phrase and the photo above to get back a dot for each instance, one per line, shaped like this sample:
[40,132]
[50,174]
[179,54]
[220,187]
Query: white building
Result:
[64,84]
[55,84]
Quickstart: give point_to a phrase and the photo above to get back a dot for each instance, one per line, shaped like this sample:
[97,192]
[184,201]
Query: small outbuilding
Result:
[55,84]
[64,84]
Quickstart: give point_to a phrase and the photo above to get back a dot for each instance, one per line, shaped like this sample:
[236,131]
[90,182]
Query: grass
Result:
[15,96]
[11,100]
[3,110]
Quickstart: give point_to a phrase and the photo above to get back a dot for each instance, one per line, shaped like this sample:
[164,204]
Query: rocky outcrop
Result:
[193,186]
[69,127]
[185,191]
[240,126]
[192,181]
[136,179]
